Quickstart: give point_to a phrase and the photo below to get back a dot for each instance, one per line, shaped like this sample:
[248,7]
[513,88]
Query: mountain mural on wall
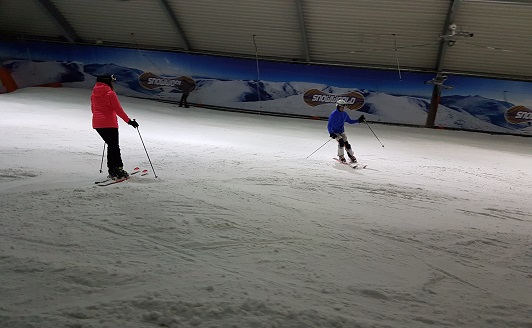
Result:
[127,76]
[455,111]
[489,110]
[32,73]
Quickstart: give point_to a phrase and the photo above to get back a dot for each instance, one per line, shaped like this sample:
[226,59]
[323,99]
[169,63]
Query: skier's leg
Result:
[350,152]
[341,146]
[114,158]
[349,149]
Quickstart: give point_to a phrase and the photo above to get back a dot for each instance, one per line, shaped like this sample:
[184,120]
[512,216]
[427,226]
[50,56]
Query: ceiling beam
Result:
[303,29]
[68,32]
[173,19]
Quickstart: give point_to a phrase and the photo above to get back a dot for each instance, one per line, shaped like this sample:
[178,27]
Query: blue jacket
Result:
[337,120]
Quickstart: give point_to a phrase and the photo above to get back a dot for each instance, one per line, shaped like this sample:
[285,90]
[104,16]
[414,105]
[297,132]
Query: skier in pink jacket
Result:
[105,109]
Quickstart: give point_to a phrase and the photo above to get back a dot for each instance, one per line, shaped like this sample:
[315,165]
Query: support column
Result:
[436,91]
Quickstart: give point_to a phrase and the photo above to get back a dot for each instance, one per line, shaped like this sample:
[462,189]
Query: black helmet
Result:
[106,78]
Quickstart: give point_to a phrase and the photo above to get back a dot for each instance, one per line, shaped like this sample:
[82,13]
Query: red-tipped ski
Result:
[135,171]
[351,165]
[109,181]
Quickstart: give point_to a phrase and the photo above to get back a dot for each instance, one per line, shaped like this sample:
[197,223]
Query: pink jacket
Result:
[105,107]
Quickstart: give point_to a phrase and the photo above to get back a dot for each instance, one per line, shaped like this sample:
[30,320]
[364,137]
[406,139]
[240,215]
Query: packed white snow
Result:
[241,229]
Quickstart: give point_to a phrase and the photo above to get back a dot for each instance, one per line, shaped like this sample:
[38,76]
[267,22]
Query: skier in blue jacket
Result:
[336,129]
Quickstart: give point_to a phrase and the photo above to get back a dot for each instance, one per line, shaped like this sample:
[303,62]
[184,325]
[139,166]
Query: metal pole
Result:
[374,133]
[146,153]
[397,58]
[103,154]
[319,148]
[258,73]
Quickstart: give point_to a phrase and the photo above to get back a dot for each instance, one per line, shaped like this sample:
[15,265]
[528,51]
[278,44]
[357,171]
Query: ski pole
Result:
[103,153]
[319,148]
[373,133]
[146,152]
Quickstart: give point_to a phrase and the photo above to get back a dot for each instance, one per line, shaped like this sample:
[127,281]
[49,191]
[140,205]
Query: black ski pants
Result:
[110,136]
[183,100]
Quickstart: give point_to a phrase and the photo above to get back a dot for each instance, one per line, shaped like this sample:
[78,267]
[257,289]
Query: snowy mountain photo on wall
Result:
[27,73]
[227,82]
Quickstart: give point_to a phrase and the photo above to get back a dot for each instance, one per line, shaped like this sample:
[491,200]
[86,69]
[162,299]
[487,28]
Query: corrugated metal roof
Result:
[228,26]
[121,22]
[502,41]
[26,18]
[376,32]
[370,33]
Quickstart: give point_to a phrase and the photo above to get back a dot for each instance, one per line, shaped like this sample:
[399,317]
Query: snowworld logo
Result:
[314,97]
[151,81]
[518,114]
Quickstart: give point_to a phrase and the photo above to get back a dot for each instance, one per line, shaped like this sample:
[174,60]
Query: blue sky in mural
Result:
[511,91]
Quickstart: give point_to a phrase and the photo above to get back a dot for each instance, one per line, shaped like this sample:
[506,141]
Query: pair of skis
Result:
[352,165]
[109,181]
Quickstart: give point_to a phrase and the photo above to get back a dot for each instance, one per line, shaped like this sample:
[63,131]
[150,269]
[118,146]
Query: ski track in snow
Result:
[241,230]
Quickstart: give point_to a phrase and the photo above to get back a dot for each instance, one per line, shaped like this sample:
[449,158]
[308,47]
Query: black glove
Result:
[332,135]
[361,119]
[133,123]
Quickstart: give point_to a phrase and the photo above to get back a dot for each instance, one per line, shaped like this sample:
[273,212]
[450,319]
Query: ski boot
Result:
[342,159]
[352,158]
[116,173]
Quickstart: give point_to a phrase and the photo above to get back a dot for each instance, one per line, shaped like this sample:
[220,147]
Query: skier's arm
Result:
[351,121]
[329,126]
[118,108]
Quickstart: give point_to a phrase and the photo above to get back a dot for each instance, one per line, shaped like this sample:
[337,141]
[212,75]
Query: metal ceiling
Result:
[492,38]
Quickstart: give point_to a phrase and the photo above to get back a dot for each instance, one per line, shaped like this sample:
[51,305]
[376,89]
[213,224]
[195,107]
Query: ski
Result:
[135,171]
[351,165]
[109,181]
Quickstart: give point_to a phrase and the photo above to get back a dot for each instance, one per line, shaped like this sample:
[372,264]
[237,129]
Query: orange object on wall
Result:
[7,80]
[51,85]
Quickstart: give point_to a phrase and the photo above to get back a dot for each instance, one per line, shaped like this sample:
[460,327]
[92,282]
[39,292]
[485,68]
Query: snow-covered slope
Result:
[243,229]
